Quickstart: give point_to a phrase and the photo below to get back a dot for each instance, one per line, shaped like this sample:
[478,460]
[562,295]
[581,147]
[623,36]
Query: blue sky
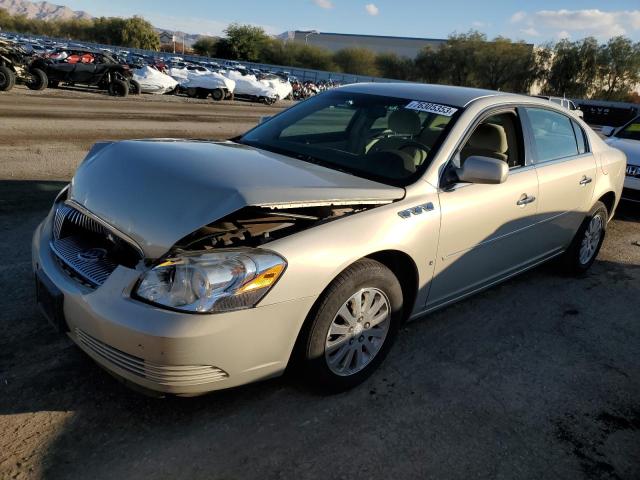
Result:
[535,22]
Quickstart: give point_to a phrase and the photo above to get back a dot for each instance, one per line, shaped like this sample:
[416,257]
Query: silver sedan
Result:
[184,267]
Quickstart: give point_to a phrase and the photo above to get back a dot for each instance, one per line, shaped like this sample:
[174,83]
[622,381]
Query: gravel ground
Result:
[536,378]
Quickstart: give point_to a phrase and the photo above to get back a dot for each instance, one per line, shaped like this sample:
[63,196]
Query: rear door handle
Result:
[585,180]
[524,199]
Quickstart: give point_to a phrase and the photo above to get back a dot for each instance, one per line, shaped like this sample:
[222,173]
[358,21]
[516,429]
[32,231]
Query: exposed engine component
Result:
[255,226]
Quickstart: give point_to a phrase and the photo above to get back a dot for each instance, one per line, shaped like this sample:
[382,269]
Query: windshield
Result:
[631,131]
[387,139]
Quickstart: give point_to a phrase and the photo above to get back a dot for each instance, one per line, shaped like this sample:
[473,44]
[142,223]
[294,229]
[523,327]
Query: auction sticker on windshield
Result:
[431,108]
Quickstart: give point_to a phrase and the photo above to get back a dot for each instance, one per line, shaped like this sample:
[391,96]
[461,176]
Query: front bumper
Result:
[166,351]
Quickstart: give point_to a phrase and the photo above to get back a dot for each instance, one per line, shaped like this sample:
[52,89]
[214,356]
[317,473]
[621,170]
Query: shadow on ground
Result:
[536,378]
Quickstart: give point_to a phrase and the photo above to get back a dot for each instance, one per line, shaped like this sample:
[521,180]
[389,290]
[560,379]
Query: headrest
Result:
[489,136]
[406,122]
[391,163]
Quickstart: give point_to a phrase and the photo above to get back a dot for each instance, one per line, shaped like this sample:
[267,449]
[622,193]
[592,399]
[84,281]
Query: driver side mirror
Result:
[477,169]
[607,131]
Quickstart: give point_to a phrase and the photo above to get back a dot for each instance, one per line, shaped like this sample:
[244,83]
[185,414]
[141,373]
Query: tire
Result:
[38,80]
[325,358]
[118,88]
[217,94]
[192,92]
[7,79]
[586,244]
[134,87]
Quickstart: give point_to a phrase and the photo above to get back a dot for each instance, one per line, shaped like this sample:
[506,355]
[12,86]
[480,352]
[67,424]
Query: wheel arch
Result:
[405,270]
[400,264]
[609,200]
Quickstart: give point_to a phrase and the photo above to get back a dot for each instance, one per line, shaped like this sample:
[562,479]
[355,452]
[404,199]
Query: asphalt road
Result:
[536,378]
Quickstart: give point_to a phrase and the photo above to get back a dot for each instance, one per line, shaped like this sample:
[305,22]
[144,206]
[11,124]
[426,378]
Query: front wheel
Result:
[586,244]
[37,80]
[353,327]
[118,88]
[217,94]
[7,79]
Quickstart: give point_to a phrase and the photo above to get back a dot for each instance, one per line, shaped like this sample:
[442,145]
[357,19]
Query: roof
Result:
[445,94]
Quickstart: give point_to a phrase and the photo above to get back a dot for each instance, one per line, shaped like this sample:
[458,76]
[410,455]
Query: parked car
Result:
[191,266]
[15,66]
[627,139]
[87,67]
[565,103]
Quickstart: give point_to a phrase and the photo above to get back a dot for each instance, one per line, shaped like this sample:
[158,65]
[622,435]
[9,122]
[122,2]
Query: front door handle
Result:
[585,180]
[524,199]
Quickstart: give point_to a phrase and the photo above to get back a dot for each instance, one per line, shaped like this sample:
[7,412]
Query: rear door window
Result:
[553,135]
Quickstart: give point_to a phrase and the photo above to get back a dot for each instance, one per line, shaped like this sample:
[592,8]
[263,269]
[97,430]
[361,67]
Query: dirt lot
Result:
[537,378]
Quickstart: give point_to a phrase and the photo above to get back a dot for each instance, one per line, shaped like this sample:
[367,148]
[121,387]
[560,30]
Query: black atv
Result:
[15,66]
[87,67]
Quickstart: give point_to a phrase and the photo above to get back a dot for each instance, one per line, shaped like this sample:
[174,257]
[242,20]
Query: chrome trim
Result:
[95,273]
[106,225]
[161,374]
[417,210]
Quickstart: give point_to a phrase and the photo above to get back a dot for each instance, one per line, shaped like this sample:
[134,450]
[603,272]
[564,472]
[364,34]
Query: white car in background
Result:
[627,139]
[565,103]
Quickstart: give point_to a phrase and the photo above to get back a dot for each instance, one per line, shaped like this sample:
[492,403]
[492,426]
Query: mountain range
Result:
[50,11]
[42,10]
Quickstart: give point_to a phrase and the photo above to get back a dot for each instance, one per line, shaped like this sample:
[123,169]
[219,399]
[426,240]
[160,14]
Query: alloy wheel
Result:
[591,239]
[357,331]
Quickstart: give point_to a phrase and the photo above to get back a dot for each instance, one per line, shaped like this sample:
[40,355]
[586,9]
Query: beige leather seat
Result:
[403,125]
[488,140]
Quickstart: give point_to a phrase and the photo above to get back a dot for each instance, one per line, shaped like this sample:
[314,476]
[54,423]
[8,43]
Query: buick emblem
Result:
[92,255]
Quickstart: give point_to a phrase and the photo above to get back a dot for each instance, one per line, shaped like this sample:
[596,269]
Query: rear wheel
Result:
[118,88]
[586,244]
[37,79]
[353,327]
[217,94]
[134,87]
[7,79]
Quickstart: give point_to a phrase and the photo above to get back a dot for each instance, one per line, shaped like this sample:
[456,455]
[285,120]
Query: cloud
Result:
[518,17]
[326,4]
[372,9]
[563,34]
[531,32]
[579,23]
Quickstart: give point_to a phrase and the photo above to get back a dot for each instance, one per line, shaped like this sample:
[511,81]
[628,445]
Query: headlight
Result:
[210,282]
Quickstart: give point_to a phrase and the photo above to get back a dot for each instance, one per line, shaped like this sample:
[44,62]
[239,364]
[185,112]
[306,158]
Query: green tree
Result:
[391,65]
[242,42]
[573,69]
[205,46]
[619,68]
[359,61]
[504,65]
[294,54]
[138,33]
[428,66]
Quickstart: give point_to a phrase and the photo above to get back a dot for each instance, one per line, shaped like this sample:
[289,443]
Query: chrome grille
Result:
[70,250]
[86,249]
[170,375]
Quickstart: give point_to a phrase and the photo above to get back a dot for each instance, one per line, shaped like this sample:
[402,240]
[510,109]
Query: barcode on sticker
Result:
[431,108]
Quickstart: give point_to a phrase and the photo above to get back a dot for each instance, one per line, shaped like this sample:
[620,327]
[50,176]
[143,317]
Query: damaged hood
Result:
[159,191]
